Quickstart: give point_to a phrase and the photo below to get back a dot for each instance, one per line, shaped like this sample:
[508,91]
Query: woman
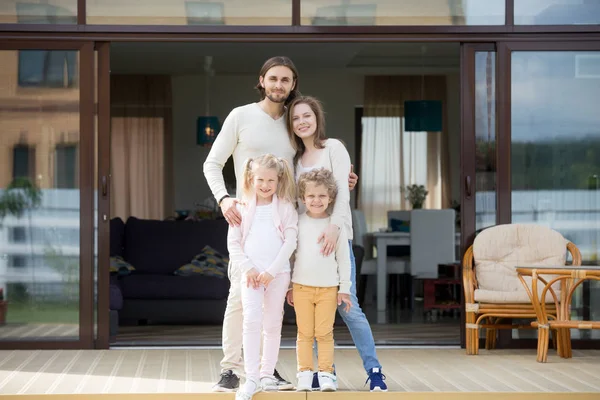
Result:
[306,127]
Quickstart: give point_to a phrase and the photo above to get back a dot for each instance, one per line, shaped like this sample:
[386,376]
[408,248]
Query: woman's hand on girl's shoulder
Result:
[352,178]
[329,238]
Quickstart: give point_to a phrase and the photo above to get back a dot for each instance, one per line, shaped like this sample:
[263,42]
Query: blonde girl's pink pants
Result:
[263,315]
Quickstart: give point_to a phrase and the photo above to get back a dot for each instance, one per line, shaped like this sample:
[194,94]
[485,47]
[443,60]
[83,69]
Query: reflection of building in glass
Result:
[39,140]
[38,11]
[239,12]
[383,12]
[39,117]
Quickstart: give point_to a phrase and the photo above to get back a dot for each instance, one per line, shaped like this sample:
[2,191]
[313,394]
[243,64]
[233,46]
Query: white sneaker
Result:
[249,389]
[327,382]
[304,381]
[269,383]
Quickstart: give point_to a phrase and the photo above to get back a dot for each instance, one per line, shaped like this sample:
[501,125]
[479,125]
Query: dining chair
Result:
[362,238]
[432,243]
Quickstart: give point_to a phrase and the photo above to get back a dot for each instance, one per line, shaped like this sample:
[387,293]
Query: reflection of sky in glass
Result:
[532,12]
[484,12]
[550,100]
[557,12]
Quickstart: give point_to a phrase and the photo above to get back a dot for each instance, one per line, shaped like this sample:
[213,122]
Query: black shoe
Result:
[282,384]
[229,382]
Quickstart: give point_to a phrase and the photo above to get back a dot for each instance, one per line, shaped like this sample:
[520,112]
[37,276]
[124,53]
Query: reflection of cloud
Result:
[523,94]
[547,98]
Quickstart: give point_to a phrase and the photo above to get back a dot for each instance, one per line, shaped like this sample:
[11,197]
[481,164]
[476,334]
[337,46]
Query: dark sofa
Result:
[152,293]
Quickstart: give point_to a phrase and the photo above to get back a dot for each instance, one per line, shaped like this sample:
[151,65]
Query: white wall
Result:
[340,92]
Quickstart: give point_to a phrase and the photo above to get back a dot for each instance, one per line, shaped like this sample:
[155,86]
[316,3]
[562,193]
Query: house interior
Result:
[161,91]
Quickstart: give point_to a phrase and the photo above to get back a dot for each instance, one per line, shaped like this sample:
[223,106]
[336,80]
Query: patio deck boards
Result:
[415,373]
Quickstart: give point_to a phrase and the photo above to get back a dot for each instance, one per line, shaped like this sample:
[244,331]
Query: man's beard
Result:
[274,99]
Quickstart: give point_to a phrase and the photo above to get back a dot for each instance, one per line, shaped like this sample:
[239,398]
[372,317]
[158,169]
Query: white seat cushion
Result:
[521,296]
[499,249]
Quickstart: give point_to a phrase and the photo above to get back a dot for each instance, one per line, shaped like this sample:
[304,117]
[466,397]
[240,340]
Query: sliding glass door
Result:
[555,152]
[46,203]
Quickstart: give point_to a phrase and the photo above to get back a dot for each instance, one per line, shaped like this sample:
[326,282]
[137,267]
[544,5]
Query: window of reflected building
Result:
[406,12]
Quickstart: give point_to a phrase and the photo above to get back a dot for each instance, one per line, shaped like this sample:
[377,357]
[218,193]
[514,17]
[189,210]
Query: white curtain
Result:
[414,156]
[381,170]
[384,172]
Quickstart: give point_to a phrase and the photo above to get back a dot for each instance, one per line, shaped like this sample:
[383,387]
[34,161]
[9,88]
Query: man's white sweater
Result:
[248,131]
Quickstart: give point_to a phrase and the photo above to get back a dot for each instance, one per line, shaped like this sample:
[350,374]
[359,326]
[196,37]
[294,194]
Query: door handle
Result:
[468,186]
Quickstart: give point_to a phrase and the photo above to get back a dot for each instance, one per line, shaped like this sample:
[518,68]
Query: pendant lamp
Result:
[423,115]
[207,126]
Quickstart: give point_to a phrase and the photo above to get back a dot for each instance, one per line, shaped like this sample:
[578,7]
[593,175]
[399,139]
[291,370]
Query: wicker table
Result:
[570,277]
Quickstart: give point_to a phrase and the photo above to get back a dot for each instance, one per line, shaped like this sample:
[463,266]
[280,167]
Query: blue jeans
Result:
[357,323]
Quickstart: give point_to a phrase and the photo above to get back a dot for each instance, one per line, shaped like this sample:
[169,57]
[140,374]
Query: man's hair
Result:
[319,137]
[279,61]
[319,176]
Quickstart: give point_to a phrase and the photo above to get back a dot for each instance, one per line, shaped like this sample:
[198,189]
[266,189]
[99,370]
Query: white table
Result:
[382,241]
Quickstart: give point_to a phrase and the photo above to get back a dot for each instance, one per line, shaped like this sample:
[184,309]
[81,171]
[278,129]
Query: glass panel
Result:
[189,12]
[39,199]
[406,12]
[38,12]
[557,12]
[555,153]
[485,139]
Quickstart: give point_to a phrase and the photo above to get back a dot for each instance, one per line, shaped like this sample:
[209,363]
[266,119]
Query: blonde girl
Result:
[261,247]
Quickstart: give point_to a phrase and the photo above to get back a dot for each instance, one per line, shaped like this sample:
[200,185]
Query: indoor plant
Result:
[416,195]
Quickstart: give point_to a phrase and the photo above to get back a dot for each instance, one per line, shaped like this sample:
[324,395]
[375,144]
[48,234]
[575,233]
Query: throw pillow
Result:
[212,257]
[399,225]
[120,267]
[209,263]
[200,269]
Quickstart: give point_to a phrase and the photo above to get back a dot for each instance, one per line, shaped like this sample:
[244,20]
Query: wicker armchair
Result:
[493,290]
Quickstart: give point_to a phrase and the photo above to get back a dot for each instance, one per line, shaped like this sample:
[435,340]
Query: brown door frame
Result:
[103,193]
[467,153]
[86,187]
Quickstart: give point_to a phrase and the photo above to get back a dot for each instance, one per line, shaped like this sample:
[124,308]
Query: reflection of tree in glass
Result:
[66,267]
[555,165]
[19,197]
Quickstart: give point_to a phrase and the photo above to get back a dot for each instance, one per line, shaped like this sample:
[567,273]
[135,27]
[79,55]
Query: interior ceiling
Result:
[246,58]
